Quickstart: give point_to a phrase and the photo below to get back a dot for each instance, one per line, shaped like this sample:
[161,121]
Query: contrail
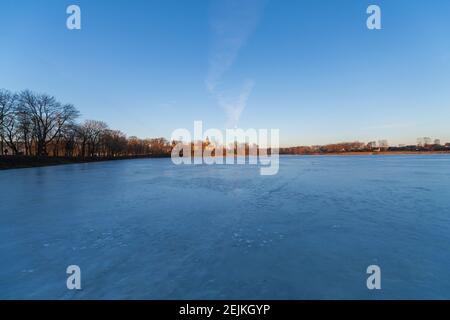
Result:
[232,23]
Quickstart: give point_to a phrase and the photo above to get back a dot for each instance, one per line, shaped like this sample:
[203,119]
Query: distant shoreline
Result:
[369,153]
[22,162]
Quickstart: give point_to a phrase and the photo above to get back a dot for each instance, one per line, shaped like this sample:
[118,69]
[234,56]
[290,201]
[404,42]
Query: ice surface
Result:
[149,229]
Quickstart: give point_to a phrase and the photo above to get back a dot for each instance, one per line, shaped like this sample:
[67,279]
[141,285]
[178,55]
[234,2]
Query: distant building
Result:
[421,142]
[383,144]
[437,142]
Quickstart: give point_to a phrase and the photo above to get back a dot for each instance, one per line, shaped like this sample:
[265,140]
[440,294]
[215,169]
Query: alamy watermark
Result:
[74,280]
[236,146]
[374,20]
[73,22]
[374,280]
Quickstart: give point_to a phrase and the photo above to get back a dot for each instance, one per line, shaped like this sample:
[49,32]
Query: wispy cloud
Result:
[232,23]
[235,108]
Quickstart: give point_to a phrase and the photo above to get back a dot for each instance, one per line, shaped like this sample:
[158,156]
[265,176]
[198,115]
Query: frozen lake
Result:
[150,229]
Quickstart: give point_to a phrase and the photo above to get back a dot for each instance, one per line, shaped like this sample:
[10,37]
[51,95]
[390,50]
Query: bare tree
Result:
[69,136]
[11,132]
[25,134]
[7,104]
[114,143]
[90,134]
[159,146]
[47,115]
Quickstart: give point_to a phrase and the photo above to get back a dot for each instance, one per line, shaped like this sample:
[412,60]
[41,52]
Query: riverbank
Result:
[369,153]
[20,162]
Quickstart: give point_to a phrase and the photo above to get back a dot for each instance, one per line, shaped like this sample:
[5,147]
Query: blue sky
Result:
[310,68]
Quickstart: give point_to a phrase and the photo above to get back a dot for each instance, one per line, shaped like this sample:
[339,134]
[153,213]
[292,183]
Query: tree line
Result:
[33,124]
[346,147]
